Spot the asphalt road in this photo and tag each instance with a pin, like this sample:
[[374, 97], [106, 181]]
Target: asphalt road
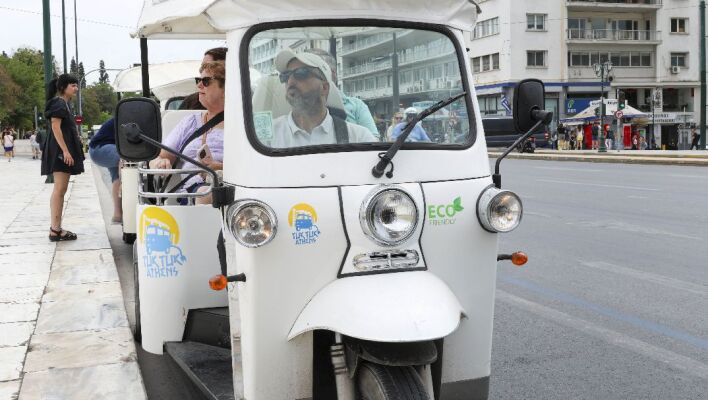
[[613, 303]]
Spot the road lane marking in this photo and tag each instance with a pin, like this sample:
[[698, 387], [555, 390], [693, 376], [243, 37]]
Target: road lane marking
[[583, 170], [598, 185], [675, 360], [649, 277], [627, 227], [609, 312]]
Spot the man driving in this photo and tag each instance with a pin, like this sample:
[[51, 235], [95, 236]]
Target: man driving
[[307, 80]]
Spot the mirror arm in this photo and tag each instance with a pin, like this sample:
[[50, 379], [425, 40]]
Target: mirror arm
[[214, 175], [496, 178]]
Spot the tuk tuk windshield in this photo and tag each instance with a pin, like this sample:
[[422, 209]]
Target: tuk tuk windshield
[[332, 87]]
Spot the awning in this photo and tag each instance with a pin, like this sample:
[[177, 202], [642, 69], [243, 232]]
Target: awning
[[588, 114]]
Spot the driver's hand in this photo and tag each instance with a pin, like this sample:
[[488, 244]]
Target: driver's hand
[[160, 163]]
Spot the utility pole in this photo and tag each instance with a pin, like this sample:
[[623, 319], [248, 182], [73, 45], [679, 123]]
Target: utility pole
[[63, 34], [702, 53], [76, 44], [47, 61]]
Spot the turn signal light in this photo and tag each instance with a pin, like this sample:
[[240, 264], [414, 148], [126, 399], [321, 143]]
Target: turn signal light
[[218, 282], [519, 258]]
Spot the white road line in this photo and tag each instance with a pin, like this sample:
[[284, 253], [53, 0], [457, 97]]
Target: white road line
[[675, 360], [649, 277], [598, 185], [570, 169]]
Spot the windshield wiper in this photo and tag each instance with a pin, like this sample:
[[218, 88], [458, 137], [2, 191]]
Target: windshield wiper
[[386, 158]]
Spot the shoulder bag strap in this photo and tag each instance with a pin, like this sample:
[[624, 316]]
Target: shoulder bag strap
[[341, 132]]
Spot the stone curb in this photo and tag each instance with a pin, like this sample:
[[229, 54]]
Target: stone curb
[[618, 159]]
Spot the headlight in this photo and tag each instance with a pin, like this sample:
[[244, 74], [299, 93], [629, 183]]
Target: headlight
[[389, 216], [499, 210], [252, 223]]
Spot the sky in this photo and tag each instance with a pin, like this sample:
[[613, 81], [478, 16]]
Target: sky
[[104, 28]]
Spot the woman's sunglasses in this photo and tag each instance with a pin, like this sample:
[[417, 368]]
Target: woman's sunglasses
[[300, 74], [205, 81]]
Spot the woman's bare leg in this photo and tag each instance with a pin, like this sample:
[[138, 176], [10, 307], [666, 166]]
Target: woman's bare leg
[[117, 206], [56, 201]]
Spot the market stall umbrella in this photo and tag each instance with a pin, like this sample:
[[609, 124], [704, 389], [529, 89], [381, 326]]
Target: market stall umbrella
[[588, 114]]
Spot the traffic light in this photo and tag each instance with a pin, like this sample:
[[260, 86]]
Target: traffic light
[[597, 111], [621, 100]]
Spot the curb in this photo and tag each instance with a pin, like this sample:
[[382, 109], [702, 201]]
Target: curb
[[616, 159]]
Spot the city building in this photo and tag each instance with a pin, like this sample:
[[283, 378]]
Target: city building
[[652, 45]]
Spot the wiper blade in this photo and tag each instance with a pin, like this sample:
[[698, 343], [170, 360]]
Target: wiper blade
[[387, 157]]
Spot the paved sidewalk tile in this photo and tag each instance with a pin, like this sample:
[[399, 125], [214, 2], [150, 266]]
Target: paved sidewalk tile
[[85, 292], [15, 333], [59, 350], [12, 270], [106, 382], [81, 315], [21, 295], [18, 312], [12, 359], [9, 390], [80, 274], [23, 281]]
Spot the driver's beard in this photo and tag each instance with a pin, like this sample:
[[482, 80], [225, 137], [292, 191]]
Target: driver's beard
[[307, 103]]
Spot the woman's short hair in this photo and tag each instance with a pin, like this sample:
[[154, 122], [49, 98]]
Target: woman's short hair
[[59, 84], [217, 53], [217, 69]]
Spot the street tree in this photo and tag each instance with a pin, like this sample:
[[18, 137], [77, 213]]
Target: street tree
[[102, 75], [25, 70]]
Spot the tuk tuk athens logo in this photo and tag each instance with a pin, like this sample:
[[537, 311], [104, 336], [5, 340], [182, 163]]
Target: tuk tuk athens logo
[[303, 217], [159, 233], [444, 214]]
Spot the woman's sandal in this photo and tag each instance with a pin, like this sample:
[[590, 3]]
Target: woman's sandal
[[58, 237]]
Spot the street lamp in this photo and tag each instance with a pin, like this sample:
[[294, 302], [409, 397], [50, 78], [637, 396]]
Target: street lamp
[[83, 78], [601, 70]]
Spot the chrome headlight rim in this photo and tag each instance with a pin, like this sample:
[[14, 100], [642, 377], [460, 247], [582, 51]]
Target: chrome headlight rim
[[484, 208], [367, 223], [239, 205]]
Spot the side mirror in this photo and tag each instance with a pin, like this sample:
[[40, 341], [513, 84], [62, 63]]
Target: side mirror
[[529, 102], [134, 116]]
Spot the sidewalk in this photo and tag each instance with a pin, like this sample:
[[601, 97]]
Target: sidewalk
[[63, 327], [663, 157]]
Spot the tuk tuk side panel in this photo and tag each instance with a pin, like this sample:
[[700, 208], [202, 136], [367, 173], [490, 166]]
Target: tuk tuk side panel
[[176, 258], [343, 168], [129, 196], [463, 255], [282, 277]]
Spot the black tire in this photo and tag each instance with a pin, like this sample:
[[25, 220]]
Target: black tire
[[129, 238], [137, 333], [378, 382]]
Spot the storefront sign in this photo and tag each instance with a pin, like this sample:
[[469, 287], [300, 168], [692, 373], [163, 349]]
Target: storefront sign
[[574, 106], [671, 117]]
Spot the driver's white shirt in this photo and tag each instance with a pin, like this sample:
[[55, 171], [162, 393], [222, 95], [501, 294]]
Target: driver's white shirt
[[287, 134]]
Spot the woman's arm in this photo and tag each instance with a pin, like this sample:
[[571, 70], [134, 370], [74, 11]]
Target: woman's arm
[[59, 136]]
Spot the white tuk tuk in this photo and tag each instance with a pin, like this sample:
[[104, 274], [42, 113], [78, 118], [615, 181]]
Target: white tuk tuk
[[347, 278]]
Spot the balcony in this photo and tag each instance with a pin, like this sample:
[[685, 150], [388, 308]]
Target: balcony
[[613, 5], [613, 36]]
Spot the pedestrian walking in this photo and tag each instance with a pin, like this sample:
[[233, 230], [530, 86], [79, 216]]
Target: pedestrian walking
[[635, 142], [608, 138], [62, 155], [580, 137], [8, 142], [572, 135], [695, 139], [35, 145], [595, 135]]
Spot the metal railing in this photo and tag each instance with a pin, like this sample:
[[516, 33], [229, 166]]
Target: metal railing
[[612, 34]]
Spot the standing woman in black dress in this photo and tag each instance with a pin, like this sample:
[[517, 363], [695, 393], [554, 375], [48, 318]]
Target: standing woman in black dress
[[62, 155]]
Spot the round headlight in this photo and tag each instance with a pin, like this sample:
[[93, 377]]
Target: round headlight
[[389, 216], [499, 210], [252, 223]]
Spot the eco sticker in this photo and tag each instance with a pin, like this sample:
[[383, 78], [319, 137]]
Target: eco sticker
[[159, 233], [444, 214], [263, 123], [303, 217]]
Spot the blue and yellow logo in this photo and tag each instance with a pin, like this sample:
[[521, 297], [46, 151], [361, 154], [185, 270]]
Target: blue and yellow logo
[[303, 217], [158, 231]]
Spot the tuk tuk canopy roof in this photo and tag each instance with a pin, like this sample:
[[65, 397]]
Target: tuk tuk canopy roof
[[165, 78], [213, 18]]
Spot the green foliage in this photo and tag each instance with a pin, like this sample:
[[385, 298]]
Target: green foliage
[[102, 75], [21, 88]]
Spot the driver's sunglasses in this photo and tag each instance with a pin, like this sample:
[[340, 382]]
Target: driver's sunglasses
[[300, 74], [205, 80]]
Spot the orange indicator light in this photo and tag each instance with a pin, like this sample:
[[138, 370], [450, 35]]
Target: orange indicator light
[[218, 282], [519, 258]]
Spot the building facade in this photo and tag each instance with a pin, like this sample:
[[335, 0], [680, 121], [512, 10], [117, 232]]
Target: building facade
[[652, 45]]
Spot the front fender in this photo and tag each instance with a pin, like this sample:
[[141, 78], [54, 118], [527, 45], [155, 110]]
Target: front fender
[[391, 307]]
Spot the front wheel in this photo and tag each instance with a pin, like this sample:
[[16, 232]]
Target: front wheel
[[378, 382]]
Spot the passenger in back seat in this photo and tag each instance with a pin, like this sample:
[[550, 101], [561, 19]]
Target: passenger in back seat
[[209, 147]]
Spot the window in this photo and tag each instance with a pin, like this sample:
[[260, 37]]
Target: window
[[489, 62], [491, 105], [536, 58], [618, 59], [678, 25], [536, 22], [487, 27], [679, 59]]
